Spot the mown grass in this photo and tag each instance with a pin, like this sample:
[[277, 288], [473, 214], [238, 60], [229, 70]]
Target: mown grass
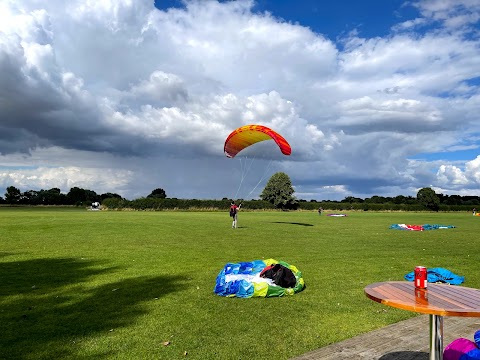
[[76, 284]]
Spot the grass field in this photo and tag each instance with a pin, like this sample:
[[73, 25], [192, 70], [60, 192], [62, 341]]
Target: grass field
[[77, 284]]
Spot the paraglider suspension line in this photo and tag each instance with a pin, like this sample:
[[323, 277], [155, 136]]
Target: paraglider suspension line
[[245, 168]]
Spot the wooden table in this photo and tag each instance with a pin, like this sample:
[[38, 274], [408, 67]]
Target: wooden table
[[438, 300]]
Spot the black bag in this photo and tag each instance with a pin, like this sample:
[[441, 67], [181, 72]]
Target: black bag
[[281, 276]]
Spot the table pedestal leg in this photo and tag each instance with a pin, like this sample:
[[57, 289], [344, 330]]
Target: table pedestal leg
[[436, 337]]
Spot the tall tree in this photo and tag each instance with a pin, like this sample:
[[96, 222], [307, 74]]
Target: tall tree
[[78, 196], [13, 195], [279, 191], [52, 197], [158, 194], [29, 197], [428, 198]]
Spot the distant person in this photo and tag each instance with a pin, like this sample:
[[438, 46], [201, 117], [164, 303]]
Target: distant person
[[474, 211], [234, 213], [320, 210]]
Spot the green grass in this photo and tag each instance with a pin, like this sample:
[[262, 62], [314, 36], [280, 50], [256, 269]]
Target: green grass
[[76, 284]]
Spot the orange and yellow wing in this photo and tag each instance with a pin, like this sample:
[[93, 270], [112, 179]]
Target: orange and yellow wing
[[247, 135]]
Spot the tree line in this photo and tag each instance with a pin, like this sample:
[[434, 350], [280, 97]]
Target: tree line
[[76, 196], [277, 194]]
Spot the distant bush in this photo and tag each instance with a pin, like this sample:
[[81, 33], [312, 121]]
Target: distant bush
[[158, 204]]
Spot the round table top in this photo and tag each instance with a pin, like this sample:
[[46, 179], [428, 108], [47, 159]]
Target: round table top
[[437, 299]]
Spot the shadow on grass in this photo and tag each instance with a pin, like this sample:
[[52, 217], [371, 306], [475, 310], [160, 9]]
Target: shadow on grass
[[44, 275], [405, 355], [45, 307], [292, 223]]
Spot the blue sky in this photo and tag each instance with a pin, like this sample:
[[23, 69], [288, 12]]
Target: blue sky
[[375, 97], [331, 18], [337, 18]]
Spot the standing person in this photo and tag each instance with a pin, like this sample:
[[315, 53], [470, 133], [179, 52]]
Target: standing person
[[234, 213], [474, 211], [320, 211]]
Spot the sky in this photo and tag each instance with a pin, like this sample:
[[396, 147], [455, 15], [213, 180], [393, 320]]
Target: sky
[[125, 96]]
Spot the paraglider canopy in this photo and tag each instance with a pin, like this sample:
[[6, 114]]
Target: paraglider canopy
[[250, 279], [247, 135]]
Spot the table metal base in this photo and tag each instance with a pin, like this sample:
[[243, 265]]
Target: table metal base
[[436, 337]]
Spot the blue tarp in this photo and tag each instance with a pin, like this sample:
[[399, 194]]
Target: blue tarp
[[439, 275], [436, 226]]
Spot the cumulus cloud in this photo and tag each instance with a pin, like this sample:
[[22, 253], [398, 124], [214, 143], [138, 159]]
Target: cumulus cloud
[[124, 97]]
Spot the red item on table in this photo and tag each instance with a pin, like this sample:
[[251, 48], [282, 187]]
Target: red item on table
[[420, 277]]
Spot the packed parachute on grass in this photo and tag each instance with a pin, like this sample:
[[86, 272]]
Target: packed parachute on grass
[[420, 227], [259, 278]]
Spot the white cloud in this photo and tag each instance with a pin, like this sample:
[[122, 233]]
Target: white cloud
[[66, 178], [450, 174], [472, 170]]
